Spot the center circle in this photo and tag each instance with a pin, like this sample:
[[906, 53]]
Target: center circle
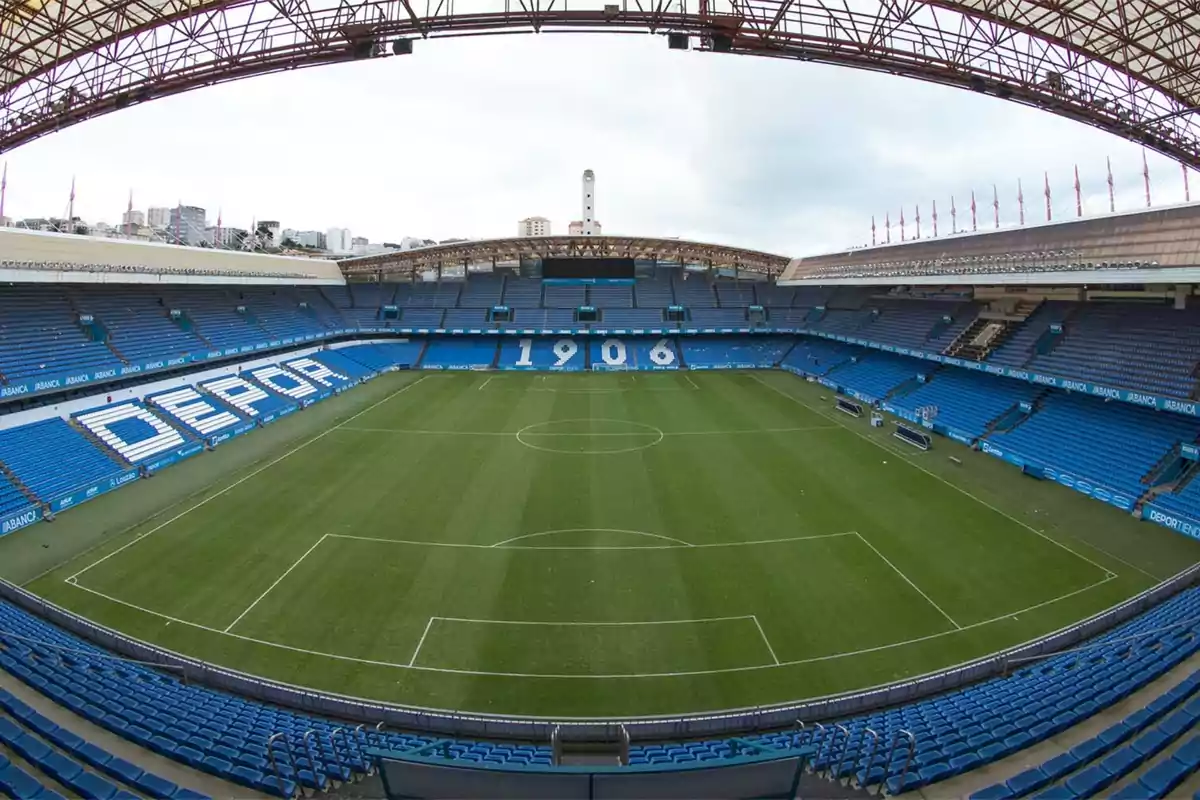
[[589, 436]]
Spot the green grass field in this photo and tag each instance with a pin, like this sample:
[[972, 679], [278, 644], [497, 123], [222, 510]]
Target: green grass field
[[588, 544]]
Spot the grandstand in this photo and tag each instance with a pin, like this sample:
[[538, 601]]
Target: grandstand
[[674, 400]]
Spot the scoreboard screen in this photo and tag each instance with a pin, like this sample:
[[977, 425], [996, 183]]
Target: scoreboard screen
[[587, 268]]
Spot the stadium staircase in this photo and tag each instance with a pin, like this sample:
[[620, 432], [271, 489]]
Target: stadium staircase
[[1169, 469], [908, 387], [97, 332], [186, 325], [117, 352], [421, 355], [20, 484], [998, 323], [1048, 340], [1173, 487], [1014, 416]]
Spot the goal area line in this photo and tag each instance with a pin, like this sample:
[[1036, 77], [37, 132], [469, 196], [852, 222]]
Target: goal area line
[[751, 619]]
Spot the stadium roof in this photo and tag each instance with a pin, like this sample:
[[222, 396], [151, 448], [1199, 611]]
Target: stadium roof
[[39, 256], [1131, 67], [491, 251], [1149, 246]]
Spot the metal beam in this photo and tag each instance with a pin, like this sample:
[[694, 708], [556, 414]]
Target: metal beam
[[492, 250], [1130, 67]]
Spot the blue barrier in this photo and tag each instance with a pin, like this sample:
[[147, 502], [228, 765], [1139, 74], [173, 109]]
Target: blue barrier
[[1190, 451], [226, 435], [19, 519], [911, 416], [589, 281], [58, 382], [1081, 485], [91, 491], [1090, 489], [270, 417], [1156, 515], [167, 459], [955, 434], [1003, 455], [729, 365]]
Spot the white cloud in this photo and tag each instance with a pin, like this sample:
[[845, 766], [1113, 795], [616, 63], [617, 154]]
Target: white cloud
[[466, 136]]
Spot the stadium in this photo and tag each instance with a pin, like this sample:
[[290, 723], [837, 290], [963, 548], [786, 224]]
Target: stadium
[[597, 515]]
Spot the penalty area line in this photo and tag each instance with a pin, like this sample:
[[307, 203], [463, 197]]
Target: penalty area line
[[393, 665], [504, 546], [278, 580], [421, 641], [907, 579], [553, 434], [957, 488], [244, 478], [766, 641]]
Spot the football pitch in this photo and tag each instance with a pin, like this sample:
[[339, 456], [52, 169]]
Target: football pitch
[[593, 545]]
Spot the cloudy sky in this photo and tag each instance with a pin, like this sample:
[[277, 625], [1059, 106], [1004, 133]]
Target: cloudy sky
[[465, 137]]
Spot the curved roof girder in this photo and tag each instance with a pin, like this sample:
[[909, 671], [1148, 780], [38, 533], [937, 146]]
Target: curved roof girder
[[513, 249], [1131, 67]]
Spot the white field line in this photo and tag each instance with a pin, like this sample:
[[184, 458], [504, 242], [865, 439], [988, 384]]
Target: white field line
[[551, 434], [421, 642], [957, 488], [688, 378], [502, 546], [243, 479], [606, 391], [766, 641], [908, 580], [278, 580], [796, 662], [599, 624], [597, 530], [485, 383]]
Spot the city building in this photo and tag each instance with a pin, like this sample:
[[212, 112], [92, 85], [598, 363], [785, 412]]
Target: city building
[[158, 217], [274, 229], [311, 239], [533, 226], [133, 218], [576, 229], [339, 240], [412, 242], [227, 238], [187, 225]]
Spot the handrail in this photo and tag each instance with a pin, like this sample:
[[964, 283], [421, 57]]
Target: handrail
[[845, 748]]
